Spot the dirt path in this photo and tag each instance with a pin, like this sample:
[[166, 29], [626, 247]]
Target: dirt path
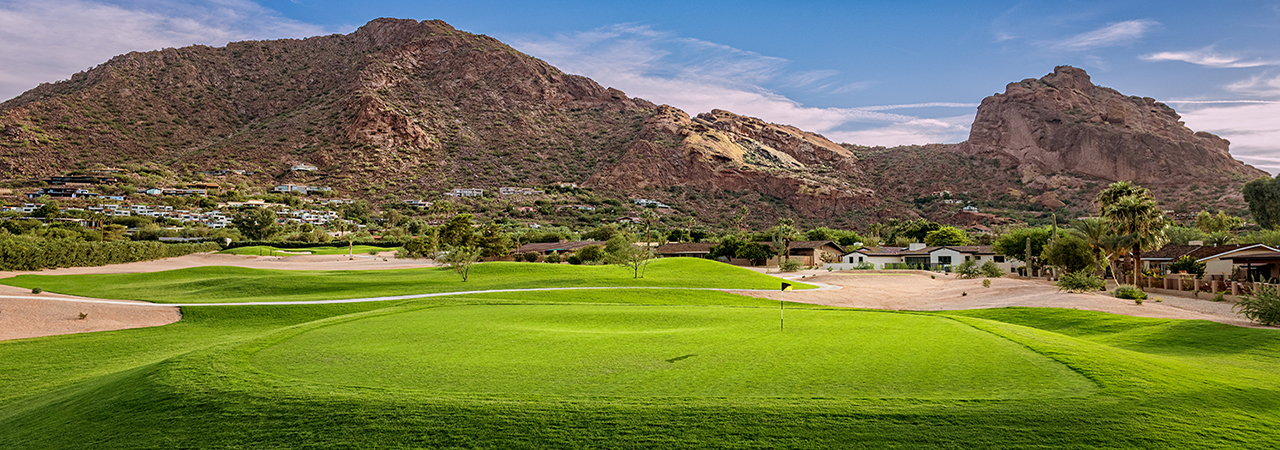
[[919, 292]]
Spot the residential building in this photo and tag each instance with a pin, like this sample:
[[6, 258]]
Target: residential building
[[465, 192], [684, 249], [920, 255], [1218, 259], [811, 253], [303, 168], [62, 192], [518, 191]]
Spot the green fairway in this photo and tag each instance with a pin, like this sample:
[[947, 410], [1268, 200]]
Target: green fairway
[[670, 351], [266, 250], [235, 284], [633, 368]]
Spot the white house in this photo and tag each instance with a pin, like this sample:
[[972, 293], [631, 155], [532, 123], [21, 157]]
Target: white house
[[1215, 257], [920, 255], [465, 192]]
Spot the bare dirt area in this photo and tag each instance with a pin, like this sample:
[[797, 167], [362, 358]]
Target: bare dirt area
[[384, 260], [921, 291], [45, 316], [50, 314]]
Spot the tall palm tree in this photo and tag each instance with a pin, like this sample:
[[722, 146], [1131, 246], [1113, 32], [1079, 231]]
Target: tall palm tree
[[649, 216], [1094, 231], [1138, 219]]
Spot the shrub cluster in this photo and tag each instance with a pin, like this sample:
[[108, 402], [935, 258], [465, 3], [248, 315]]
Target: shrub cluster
[[28, 254], [1081, 281], [968, 269], [1262, 307], [991, 270], [1129, 292], [789, 265]]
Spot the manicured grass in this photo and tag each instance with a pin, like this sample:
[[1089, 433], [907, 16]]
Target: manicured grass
[[577, 369], [592, 350], [234, 284], [266, 250]]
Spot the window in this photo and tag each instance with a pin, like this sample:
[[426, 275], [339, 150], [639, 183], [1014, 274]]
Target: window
[[999, 258], [966, 257], [859, 259], [944, 260]]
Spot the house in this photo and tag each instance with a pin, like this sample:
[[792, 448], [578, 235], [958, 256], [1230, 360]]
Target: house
[[62, 192], [567, 185], [970, 208], [630, 220], [183, 192], [465, 192], [518, 191], [918, 255], [810, 253], [418, 203], [684, 249], [527, 209], [303, 168], [1218, 259], [563, 248], [202, 185], [644, 202], [577, 207]]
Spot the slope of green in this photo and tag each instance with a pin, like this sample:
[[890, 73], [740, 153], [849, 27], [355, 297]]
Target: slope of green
[[235, 284], [669, 351], [280, 377], [265, 250]]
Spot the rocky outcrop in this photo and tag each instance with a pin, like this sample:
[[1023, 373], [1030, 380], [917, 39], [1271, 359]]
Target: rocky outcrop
[[806, 147], [1064, 124], [675, 150]]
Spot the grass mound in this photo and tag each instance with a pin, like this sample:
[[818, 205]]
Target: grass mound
[[234, 284], [677, 351]]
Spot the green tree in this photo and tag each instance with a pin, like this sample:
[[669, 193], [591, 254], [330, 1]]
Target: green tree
[[1263, 197], [756, 252], [1070, 253], [256, 223], [49, 209], [460, 259], [1217, 223], [493, 242], [357, 211], [1023, 244], [1180, 235], [592, 254], [1188, 264], [458, 231], [632, 256], [947, 235], [727, 248]]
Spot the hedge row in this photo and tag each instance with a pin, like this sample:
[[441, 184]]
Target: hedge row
[[27, 254], [385, 243]]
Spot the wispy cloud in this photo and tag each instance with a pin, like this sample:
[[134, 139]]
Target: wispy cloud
[[698, 76], [1257, 85], [46, 41], [1119, 33], [1207, 57]]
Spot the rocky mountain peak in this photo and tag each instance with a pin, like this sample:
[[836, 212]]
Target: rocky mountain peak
[[1063, 123]]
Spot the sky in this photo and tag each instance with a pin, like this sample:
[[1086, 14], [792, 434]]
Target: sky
[[868, 73]]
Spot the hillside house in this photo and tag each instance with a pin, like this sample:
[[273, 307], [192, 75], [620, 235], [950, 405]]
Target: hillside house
[[465, 192], [62, 192], [518, 191], [303, 168]]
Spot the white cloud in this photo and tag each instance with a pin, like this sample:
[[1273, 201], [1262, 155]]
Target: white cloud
[[1207, 57], [1119, 33], [698, 76], [1257, 85], [44, 41], [1251, 127]]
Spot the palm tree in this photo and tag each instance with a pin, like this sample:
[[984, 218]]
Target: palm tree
[[1094, 231], [1140, 221], [649, 216]]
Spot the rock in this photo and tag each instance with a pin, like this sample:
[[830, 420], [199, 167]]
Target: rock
[[1063, 123], [1049, 200]]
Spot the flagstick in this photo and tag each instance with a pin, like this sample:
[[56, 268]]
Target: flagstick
[[781, 309]]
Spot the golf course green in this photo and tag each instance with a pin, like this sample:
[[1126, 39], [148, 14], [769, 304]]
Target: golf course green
[[624, 368]]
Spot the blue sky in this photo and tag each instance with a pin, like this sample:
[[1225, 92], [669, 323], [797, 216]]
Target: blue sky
[[882, 73]]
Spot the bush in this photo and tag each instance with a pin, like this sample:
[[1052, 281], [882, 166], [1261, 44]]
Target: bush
[[36, 290], [1130, 292], [968, 269], [1262, 307], [986, 283], [19, 253], [789, 265], [864, 266], [991, 270], [591, 254], [529, 256], [574, 259], [1220, 296], [1080, 281], [1187, 264], [553, 258]]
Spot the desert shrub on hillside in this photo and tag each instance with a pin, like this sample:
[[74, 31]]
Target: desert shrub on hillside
[[968, 269], [789, 265]]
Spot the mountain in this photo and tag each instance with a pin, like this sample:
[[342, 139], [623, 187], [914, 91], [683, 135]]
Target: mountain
[[404, 109], [1062, 122]]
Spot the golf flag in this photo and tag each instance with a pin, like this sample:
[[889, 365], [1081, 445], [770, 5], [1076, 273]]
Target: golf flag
[[786, 286]]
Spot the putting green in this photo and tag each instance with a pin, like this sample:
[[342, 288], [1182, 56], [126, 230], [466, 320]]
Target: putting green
[[594, 350]]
